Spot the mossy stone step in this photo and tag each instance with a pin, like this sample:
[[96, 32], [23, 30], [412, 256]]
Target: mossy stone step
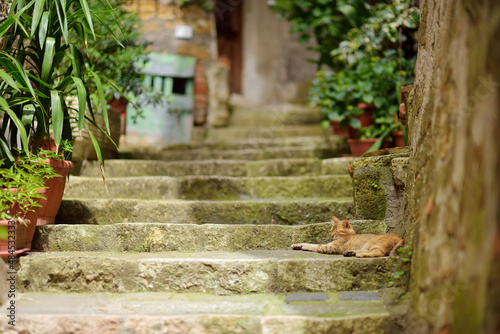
[[263, 143], [156, 237], [158, 313], [279, 131], [242, 154], [209, 187], [223, 273], [286, 212], [275, 167]]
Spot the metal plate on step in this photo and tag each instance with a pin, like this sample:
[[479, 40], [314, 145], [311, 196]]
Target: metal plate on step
[[306, 297]]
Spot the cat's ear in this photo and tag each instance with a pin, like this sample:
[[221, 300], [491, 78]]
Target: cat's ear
[[346, 224], [336, 220]]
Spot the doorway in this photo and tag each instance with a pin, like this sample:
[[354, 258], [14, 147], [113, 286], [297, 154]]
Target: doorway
[[229, 23]]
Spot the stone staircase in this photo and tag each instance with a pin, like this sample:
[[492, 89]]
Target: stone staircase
[[196, 239]]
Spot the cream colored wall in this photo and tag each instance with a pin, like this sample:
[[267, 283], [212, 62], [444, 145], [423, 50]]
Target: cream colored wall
[[274, 65]]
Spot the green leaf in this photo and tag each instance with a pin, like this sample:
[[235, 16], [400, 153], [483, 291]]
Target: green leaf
[[57, 116], [355, 123], [100, 90], [88, 15], [349, 13], [63, 21], [44, 27], [399, 273], [48, 59], [37, 14], [379, 101], [20, 127], [82, 98], [98, 152], [8, 79]]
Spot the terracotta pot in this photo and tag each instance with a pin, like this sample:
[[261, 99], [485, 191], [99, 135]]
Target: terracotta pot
[[339, 131], [120, 105], [398, 139], [54, 191], [18, 231], [32, 216], [360, 146], [366, 106]]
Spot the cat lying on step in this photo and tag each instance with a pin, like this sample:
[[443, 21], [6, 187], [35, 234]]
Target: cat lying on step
[[347, 242]]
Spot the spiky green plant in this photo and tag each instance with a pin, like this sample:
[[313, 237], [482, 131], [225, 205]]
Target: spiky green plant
[[33, 87]]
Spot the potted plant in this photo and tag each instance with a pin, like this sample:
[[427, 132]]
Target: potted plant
[[22, 187], [376, 59], [41, 66]]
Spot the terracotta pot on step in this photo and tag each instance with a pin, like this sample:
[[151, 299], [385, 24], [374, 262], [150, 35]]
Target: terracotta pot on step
[[30, 216], [360, 146], [18, 231], [54, 191], [398, 139]]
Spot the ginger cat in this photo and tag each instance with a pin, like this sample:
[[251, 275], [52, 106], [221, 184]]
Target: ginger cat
[[347, 242]]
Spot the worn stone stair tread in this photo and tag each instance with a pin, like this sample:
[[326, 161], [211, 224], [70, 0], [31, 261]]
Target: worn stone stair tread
[[249, 211], [226, 273], [155, 313], [242, 132], [209, 187], [282, 152], [272, 167], [260, 143], [161, 237]]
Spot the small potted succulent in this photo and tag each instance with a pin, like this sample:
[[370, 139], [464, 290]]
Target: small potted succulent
[[22, 187]]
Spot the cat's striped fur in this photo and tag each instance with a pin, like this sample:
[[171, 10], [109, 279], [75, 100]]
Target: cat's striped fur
[[347, 242]]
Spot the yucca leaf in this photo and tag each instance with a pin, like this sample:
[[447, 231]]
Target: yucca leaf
[[86, 10], [48, 58], [44, 27], [37, 14], [19, 125], [100, 90], [82, 98], [61, 15], [77, 60], [6, 25], [8, 79], [57, 116], [99, 153]]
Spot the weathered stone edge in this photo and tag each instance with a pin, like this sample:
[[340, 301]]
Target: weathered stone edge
[[155, 237]]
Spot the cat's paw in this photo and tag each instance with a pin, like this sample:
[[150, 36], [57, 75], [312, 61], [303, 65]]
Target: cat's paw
[[349, 254], [297, 247]]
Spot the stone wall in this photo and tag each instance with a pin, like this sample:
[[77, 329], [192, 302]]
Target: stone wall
[[454, 178], [275, 69]]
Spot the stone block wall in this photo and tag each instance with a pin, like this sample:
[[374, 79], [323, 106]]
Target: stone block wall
[[452, 201]]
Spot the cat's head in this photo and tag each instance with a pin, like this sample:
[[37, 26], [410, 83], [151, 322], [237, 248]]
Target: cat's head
[[341, 229]]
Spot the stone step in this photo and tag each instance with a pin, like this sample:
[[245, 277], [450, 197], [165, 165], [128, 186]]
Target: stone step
[[283, 152], [223, 273], [285, 212], [263, 143], [275, 115], [209, 187], [242, 132], [277, 167], [156, 237], [157, 313]]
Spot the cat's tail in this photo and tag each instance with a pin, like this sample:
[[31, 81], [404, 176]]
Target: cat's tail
[[399, 244]]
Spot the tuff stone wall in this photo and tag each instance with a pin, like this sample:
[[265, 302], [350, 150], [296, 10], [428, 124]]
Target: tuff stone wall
[[454, 177]]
